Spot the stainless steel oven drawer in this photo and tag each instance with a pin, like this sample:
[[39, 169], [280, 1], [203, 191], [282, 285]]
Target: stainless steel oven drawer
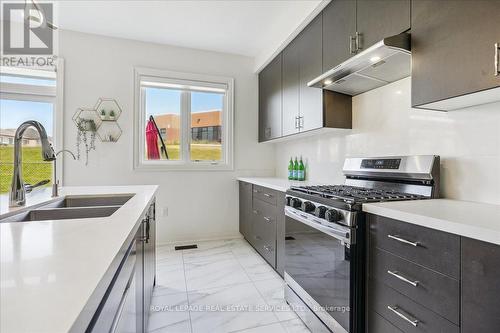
[[404, 313], [433, 290], [304, 313], [437, 250]]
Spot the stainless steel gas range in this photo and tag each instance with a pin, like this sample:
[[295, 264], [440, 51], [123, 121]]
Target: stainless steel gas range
[[325, 236]]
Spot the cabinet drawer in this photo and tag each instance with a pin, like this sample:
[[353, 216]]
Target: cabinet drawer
[[264, 229], [406, 315], [377, 324], [265, 194], [433, 290], [434, 249]]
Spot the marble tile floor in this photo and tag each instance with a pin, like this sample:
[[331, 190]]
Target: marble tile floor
[[223, 286]]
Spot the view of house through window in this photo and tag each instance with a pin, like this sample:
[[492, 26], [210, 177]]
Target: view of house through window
[[17, 106], [183, 124]]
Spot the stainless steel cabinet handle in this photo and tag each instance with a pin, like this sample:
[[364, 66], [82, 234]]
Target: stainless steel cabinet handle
[[268, 219], [256, 191], [301, 122], [402, 240], [268, 248], [267, 195], [395, 309], [402, 278], [497, 59], [358, 41], [296, 122], [352, 45], [256, 212]]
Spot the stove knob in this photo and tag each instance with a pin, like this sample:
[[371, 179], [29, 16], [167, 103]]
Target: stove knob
[[308, 206], [288, 201], [332, 215], [296, 203], [320, 211]]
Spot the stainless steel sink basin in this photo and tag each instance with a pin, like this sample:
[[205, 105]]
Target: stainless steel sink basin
[[71, 207], [90, 201], [62, 214]]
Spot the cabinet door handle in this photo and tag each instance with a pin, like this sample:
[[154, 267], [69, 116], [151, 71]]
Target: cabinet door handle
[[402, 240], [256, 212], [296, 122], [497, 59], [395, 309], [358, 41], [402, 278], [301, 122], [268, 248], [352, 45], [268, 219], [267, 195]]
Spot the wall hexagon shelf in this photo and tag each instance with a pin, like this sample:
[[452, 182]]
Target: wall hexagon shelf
[[108, 109], [101, 119]]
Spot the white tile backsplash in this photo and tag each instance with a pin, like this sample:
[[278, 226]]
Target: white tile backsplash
[[467, 140]]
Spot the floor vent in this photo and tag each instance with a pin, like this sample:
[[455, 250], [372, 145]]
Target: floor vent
[[186, 247], [289, 238]]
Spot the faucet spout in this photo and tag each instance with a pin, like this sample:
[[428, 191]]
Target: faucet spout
[[17, 195]]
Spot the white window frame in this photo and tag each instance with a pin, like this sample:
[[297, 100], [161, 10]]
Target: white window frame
[[165, 78], [47, 94]]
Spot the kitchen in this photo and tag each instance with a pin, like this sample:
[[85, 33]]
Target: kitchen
[[440, 110]]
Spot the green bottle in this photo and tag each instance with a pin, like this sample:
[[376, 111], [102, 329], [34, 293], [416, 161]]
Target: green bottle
[[290, 169], [302, 171], [295, 170]]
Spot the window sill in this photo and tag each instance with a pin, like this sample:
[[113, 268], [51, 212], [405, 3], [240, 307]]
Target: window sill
[[181, 166]]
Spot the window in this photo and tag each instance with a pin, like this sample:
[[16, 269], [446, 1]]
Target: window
[[183, 121], [27, 94]]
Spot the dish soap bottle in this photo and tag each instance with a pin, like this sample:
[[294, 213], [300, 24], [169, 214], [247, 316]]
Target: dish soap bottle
[[302, 171], [295, 170], [290, 169]]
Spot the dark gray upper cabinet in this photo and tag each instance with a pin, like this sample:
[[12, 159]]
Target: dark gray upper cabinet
[[453, 48], [270, 101], [339, 24], [480, 286], [377, 19], [310, 43], [291, 84]]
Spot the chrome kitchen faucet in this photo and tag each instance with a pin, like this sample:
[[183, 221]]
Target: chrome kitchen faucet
[[17, 196]]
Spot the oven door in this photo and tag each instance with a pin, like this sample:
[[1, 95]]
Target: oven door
[[318, 267]]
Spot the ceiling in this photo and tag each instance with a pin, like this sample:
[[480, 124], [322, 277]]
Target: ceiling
[[251, 28]]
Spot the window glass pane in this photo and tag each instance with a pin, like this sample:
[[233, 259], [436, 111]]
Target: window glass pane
[[206, 121], [12, 114], [165, 107], [27, 80]]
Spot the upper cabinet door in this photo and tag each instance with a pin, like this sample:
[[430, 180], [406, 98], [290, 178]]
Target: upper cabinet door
[[270, 101], [377, 19], [453, 48], [339, 25], [310, 66], [291, 83]]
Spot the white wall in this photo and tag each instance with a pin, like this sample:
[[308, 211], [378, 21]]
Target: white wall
[[201, 205], [385, 124]]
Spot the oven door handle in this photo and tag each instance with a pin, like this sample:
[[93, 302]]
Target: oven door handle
[[339, 232]]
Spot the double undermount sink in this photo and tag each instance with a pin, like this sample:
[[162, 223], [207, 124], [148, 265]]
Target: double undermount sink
[[72, 207]]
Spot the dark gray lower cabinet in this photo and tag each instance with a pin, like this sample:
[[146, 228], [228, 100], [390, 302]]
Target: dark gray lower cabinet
[[146, 266], [480, 286], [262, 222], [126, 304], [413, 285], [245, 208]]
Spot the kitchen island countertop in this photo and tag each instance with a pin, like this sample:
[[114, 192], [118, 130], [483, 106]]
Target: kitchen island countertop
[[50, 270]]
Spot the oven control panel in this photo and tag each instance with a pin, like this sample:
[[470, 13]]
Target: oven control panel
[[392, 163]]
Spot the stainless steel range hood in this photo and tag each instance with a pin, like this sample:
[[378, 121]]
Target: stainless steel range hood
[[387, 61]]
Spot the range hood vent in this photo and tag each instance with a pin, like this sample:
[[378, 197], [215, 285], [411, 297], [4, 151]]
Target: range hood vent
[[387, 61]]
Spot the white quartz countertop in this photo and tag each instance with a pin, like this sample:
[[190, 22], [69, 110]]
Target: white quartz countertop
[[469, 219], [275, 183], [49, 269]]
